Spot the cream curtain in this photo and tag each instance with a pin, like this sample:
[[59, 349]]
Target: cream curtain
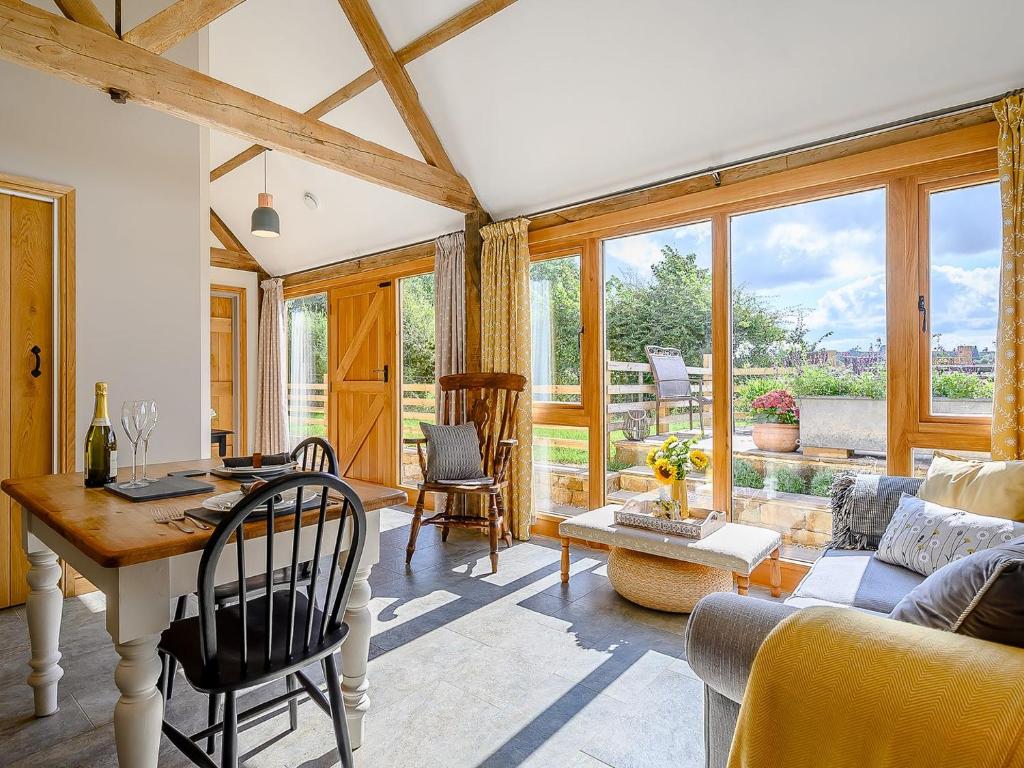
[[1008, 403], [505, 347], [449, 308], [271, 396]]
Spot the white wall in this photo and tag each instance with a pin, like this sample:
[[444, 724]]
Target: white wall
[[142, 183], [247, 280]]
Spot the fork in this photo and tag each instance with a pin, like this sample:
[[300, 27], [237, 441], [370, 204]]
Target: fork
[[173, 518]]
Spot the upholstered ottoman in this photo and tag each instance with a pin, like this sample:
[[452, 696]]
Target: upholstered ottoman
[[671, 573]]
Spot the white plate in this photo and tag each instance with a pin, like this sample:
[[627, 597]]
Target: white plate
[[270, 468], [225, 501]]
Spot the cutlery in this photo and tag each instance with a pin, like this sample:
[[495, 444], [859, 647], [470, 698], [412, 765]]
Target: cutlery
[[173, 518]]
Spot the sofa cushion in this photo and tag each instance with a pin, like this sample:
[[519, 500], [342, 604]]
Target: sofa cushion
[[978, 596], [993, 488], [923, 536], [862, 506], [857, 579], [453, 452]]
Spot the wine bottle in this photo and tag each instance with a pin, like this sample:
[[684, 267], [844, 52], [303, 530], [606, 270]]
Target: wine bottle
[[100, 444]]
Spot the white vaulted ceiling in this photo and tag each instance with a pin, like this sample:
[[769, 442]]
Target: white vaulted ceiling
[[551, 101]]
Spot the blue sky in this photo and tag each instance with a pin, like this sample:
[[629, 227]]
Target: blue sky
[[828, 257]]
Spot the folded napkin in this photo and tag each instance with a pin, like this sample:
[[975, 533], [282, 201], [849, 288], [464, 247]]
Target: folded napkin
[[257, 460]]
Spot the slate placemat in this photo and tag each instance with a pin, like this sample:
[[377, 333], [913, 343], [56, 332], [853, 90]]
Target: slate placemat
[[164, 488]]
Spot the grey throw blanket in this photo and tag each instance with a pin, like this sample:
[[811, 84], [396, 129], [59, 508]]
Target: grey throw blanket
[[863, 505]]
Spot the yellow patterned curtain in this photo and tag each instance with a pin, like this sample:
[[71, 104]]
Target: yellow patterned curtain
[[1008, 403], [505, 348]]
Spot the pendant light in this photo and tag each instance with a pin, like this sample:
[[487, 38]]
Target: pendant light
[[265, 221]]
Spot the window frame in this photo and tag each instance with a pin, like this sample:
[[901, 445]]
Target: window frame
[[925, 189]]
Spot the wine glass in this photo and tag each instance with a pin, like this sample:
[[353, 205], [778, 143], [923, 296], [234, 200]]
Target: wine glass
[[147, 431], [132, 419]]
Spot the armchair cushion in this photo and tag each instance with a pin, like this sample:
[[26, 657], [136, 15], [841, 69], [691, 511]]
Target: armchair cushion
[[453, 452]]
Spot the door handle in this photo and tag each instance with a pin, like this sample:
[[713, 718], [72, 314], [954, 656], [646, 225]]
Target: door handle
[[36, 372], [383, 370]]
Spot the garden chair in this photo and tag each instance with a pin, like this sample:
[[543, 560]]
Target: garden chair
[[490, 401], [675, 385]]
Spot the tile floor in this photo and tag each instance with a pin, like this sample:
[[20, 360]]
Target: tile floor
[[467, 669]]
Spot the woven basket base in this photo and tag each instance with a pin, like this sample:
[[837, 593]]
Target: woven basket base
[[662, 583]]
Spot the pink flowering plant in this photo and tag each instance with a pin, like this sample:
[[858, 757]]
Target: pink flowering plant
[[776, 407]]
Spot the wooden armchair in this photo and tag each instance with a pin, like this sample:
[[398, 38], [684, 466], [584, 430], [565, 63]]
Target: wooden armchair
[[490, 401]]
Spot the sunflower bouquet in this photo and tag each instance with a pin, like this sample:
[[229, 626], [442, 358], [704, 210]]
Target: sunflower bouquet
[[671, 461], [674, 458]]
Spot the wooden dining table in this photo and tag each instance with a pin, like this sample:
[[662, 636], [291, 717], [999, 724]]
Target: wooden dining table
[[142, 566]]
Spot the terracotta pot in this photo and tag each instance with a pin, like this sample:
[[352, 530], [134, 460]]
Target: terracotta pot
[[778, 438]]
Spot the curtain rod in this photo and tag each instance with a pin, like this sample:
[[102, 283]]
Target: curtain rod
[[715, 169]]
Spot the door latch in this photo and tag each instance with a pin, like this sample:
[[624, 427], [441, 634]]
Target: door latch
[[923, 309], [383, 370]]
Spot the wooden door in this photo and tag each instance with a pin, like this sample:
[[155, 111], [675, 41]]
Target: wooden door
[[222, 366], [362, 381], [26, 368]]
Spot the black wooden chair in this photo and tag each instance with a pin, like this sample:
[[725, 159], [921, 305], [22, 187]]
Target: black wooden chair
[[273, 633], [314, 454]]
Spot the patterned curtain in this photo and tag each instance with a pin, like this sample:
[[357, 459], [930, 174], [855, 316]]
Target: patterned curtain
[[1008, 403], [449, 308], [505, 348], [271, 395]]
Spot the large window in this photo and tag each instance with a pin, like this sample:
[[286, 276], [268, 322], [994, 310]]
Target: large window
[[960, 312], [809, 360], [416, 296], [307, 366], [657, 293], [555, 329]]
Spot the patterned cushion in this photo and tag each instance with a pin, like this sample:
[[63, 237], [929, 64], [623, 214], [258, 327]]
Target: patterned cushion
[[924, 536], [978, 596], [862, 506], [453, 452]]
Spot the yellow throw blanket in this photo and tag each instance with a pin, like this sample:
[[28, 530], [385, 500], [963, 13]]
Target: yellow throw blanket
[[834, 687]]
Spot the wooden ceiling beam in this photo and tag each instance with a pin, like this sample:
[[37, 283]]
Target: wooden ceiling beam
[[363, 264], [423, 44], [229, 259], [396, 81], [49, 43], [85, 12], [176, 22]]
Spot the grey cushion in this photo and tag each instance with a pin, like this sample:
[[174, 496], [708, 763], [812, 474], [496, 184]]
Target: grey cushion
[[862, 506], [453, 452], [857, 579], [981, 595]]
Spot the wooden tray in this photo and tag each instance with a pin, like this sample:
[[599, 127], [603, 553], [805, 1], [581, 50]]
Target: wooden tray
[[164, 488]]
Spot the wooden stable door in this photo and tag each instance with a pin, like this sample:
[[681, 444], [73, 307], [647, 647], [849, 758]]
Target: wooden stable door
[[362, 386], [228, 364], [26, 368]]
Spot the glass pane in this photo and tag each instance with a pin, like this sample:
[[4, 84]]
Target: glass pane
[[809, 381], [964, 243], [657, 293], [307, 367], [561, 477], [416, 296], [556, 321]]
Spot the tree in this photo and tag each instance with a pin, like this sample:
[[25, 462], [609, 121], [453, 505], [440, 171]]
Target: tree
[[418, 329]]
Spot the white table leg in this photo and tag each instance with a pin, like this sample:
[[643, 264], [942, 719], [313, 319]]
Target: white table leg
[[355, 654], [139, 712], [42, 608]]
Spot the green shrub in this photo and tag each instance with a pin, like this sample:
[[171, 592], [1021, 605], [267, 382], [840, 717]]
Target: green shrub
[[962, 386], [821, 482], [745, 476], [821, 381], [788, 481]]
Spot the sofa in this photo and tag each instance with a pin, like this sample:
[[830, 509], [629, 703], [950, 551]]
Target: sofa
[[726, 630]]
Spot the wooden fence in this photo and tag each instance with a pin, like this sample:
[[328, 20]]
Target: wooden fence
[[629, 388]]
